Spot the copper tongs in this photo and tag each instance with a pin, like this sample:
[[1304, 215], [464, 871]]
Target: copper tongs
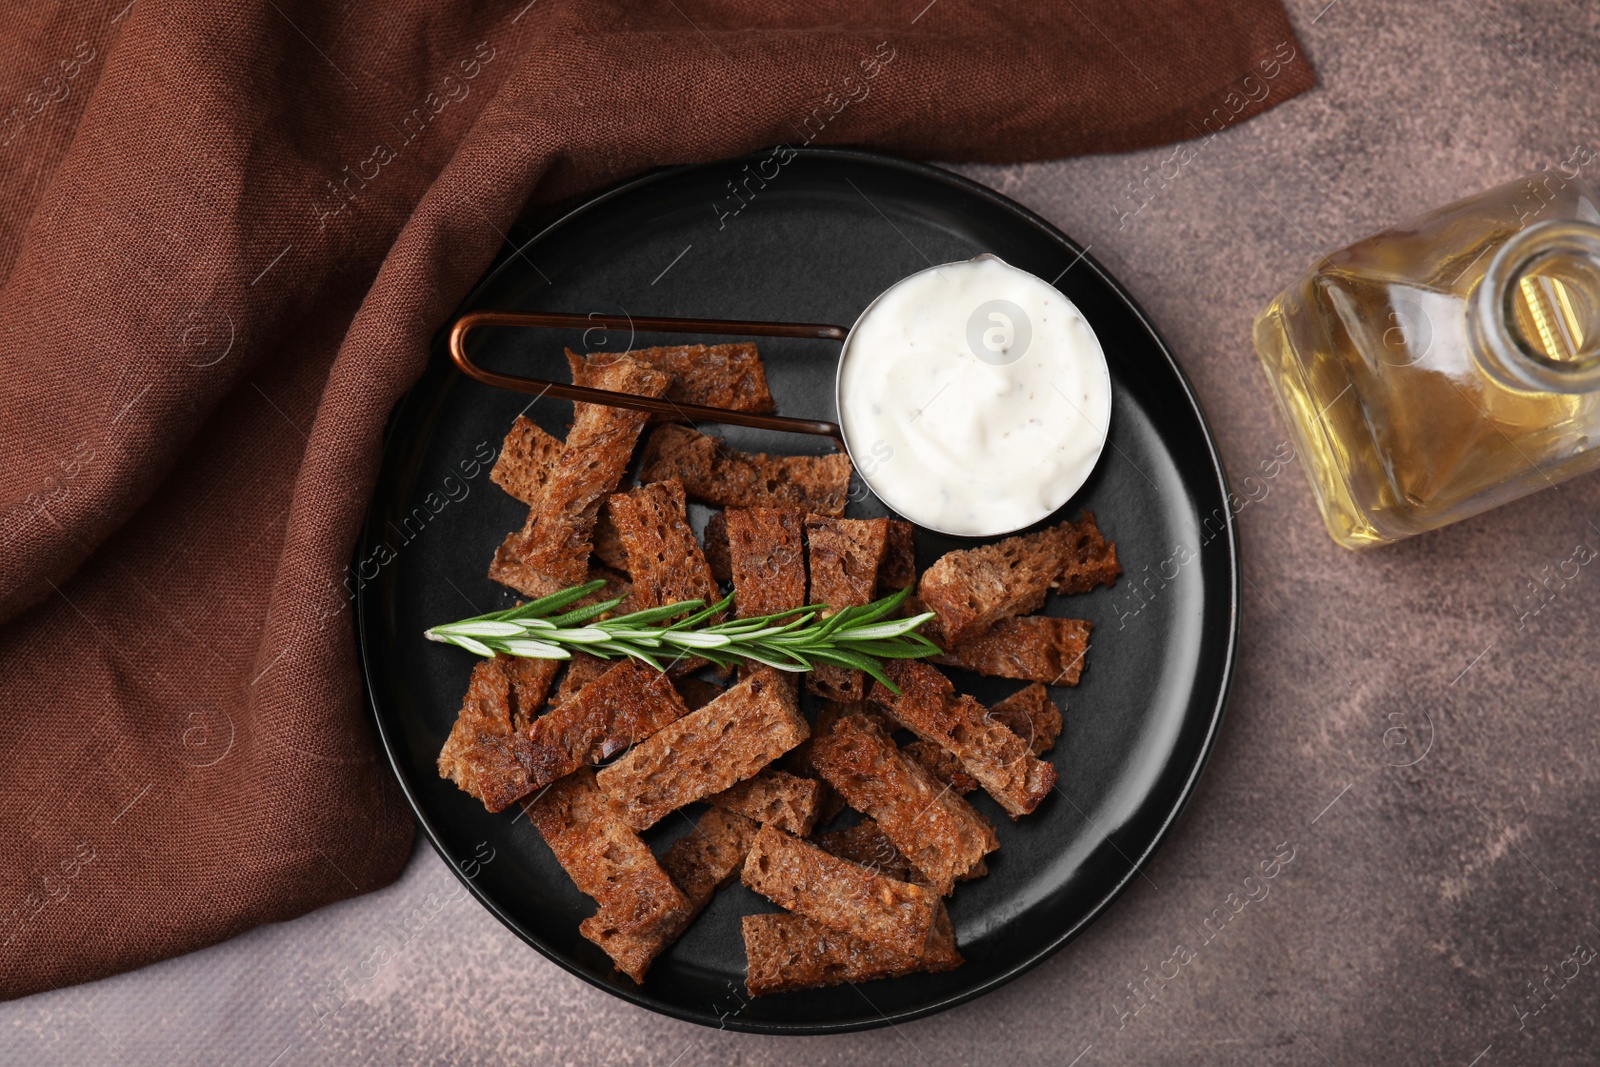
[[557, 320]]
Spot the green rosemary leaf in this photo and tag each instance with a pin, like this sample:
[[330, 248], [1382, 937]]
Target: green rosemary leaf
[[746, 629], [736, 626], [612, 650], [650, 616], [893, 648], [689, 639], [843, 657], [546, 604], [482, 628], [777, 661], [579, 635], [722, 657], [796, 640], [803, 612], [834, 622], [643, 638], [471, 644], [877, 630], [578, 616], [878, 609], [701, 616], [535, 649]]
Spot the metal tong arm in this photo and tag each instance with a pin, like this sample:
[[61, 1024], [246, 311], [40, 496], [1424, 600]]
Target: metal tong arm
[[654, 405]]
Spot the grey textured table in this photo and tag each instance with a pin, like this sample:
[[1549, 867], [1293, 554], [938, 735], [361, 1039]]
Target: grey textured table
[[1434, 883]]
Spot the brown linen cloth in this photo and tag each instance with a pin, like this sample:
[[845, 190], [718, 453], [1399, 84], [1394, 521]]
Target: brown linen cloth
[[227, 232]]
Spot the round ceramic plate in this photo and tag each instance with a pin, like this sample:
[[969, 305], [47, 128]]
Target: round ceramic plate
[[813, 239]]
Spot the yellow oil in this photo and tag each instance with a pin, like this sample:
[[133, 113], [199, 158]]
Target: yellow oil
[[1378, 365]]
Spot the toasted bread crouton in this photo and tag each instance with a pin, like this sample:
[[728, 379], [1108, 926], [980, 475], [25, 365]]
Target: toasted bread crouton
[[788, 952], [834, 710], [624, 705], [832, 805], [800, 877], [938, 832], [942, 765], [843, 557], [488, 753], [1087, 558], [866, 844], [799, 761], [929, 707], [617, 585], [706, 751], [1031, 715], [899, 566], [719, 376], [711, 855], [530, 687], [699, 863], [972, 589], [836, 683], [1034, 648], [774, 798], [608, 861], [715, 541], [714, 474], [664, 558], [582, 669], [766, 558], [526, 459], [551, 552], [607, 545], [696, 692]]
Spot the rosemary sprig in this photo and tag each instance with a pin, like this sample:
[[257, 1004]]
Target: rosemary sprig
[[797, 640]]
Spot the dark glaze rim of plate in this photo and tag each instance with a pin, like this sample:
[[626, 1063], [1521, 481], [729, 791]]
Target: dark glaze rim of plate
[[1196, 496]]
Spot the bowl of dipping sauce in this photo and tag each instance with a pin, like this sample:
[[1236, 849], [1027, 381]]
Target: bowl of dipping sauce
[[974, 398]]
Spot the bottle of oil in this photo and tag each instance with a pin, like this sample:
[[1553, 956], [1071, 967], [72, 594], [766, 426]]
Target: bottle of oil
[[1448, 364]]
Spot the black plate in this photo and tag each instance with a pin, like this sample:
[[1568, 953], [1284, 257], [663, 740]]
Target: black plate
[[824, 236]]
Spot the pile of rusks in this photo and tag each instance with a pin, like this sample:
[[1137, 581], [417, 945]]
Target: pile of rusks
[[859, 838]]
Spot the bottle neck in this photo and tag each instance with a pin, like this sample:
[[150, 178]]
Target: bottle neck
[[1535, 319]]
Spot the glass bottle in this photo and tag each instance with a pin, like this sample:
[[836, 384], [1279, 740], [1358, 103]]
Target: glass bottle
[[1446, 365]]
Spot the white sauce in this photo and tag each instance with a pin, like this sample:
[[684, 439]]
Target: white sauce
[[968, 445]]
